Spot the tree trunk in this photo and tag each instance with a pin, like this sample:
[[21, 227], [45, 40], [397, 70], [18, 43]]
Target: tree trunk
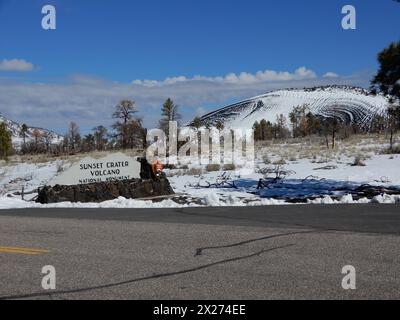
[[333, 139], [327, 141], [24, 145], [391, 139]]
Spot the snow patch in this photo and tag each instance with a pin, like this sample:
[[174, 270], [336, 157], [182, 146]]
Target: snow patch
[[348, 199]]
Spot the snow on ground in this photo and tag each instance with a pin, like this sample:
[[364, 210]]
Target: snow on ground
[[321, 187], [379, 170], [27, 175]]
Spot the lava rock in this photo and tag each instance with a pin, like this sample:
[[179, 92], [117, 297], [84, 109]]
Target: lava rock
[[103, 191]]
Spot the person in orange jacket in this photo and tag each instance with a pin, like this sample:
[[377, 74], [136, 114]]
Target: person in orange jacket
[[157, 167]]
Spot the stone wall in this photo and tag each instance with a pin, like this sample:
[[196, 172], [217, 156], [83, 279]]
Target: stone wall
[[103, 191]]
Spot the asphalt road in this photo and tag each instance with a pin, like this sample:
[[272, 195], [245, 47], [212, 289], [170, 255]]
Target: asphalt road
[[272, 252]]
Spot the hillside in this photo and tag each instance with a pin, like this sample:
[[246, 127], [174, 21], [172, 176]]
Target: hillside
[[15, 129], [355, 105]]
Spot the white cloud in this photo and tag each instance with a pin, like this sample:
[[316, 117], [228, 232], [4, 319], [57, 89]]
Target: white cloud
[[301, 73], [330, 75], [89, 101], [19, 65], [200, 111]]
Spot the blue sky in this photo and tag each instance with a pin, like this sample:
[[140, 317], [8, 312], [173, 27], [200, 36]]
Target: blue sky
[[99, 48]]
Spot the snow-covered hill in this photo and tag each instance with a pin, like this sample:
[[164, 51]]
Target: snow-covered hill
[[350, 104], [15, 129]]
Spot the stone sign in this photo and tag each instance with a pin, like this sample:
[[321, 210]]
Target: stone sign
[[114, 167]]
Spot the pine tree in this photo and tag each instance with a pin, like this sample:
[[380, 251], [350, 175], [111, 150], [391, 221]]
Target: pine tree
[[257, 131], [100, 137], [387, 80], [89, 143], [219, 125], [314, 124], [197, 123], [378, 124], [280, 128], [388, 76], [169, 112], [393, 122], [6, 148]]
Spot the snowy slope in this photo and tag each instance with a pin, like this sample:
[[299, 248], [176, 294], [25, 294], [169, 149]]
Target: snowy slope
[[347, 103], [15, 129]]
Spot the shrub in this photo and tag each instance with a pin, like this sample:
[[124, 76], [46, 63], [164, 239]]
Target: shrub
[[195, 172], [229, 167], [358, 162], [60, 167], [394, 150], [280, 162], [213, 167], [266, 159], [170, 166]]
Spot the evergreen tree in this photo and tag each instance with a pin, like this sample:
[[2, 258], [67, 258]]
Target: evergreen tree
[[257, 131], [100, 137], [219, 125], [6, 148], [169, 112], [89, 143], [387, 80], [197, 123], [378, 124], [393, 123], [388, 77], [314, 124], [280, 129]]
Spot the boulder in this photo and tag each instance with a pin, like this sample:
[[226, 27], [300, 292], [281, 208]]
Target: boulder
[[103, 191]]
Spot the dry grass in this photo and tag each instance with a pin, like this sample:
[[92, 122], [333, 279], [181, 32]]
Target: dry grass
[[314, 148], [185, 172]]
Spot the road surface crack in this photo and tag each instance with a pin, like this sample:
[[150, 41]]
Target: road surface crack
[[152, 277], [200, 251]]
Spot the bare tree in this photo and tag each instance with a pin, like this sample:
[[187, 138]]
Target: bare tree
[[24, 133], [124, 112], [48, 141], [37, 139], [135, 133], [73, 136]]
